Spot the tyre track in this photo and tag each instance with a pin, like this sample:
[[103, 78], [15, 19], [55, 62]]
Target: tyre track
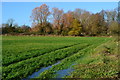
[[36, 63]]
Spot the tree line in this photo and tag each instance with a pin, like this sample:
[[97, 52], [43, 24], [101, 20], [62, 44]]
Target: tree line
[[71, 23]]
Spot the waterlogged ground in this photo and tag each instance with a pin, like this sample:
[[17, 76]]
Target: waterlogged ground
[[58, 57], [36, 74]]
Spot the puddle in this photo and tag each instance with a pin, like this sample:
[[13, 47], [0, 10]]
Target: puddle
[[60, 73], [36, 74], [64, 72]]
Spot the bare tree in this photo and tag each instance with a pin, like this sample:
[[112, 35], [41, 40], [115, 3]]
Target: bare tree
[[10, 22], [57, 16]]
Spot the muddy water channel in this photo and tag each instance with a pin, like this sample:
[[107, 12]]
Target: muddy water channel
[[60, 73], [36, 74]]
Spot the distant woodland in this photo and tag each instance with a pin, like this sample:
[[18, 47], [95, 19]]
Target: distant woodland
[[72, 23]]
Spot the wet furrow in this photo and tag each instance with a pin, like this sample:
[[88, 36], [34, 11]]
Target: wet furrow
[[63, 68], [31, 65]]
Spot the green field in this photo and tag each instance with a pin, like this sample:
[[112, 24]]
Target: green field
[[93, 57]]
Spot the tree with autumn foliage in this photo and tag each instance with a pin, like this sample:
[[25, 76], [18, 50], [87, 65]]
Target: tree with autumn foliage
[[78, 22], [67, 19], [76, 28], [39, 17], [57, 20]]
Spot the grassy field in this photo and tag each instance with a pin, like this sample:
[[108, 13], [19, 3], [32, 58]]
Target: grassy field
[[93, 57]]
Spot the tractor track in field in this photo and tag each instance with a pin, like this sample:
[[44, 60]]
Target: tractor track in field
[[56, 60], [68, 56], [71, 55], [26, 64], [14, 62]]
